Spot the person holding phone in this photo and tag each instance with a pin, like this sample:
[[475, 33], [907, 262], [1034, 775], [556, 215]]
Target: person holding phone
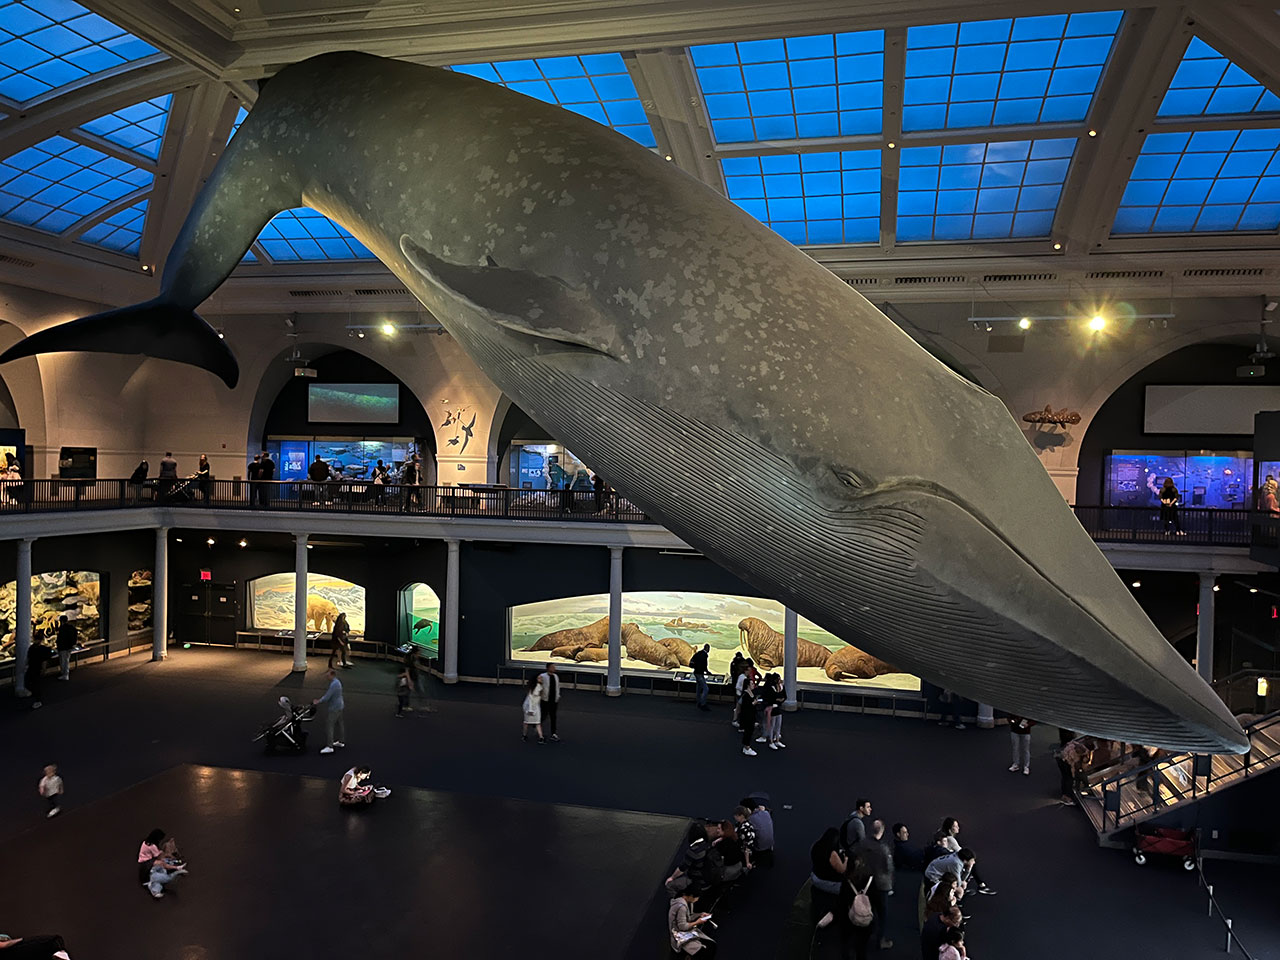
[[688, 936]]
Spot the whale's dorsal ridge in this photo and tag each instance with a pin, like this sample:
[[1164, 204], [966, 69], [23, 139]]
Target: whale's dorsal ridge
[[525, 301]]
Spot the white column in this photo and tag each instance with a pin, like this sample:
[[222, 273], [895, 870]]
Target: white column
[[22, 618], [1204, 628], [790, 654], [451, 612], [300, 602], [613, 684], [160, 597]]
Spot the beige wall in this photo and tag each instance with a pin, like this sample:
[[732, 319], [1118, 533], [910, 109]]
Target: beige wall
[[132, 408]]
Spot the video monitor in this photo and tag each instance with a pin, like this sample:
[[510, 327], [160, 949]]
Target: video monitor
[[353, 402]]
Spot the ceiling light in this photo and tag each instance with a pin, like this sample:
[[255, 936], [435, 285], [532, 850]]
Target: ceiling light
[[1093, 133], [360, 334], [221, 335], [1057, 246], [988, 327], [1253, 589], [1097, 323], [668, 156], [178, 539], [210, 541], [1215, 588], [389, 329], [892, 144], [1136, 584], [145, 268], [1024, 323], [309, 546], [244, 543]]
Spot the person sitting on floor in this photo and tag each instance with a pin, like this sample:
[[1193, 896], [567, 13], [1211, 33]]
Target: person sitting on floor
[[952, 945], [44, 947], [157, 847], [701, 865], [688, 937], [162, 874], [355, 787], [959, 865], [729, 848]]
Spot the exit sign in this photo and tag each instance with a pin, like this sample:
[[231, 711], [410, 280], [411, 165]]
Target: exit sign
[[206, 574]]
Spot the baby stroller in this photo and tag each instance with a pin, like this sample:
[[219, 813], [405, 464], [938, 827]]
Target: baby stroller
[[1165, 842], [285, 734], [183, 491]]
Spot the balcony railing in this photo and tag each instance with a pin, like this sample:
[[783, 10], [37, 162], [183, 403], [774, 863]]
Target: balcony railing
[[347, 496], [1197, 526]]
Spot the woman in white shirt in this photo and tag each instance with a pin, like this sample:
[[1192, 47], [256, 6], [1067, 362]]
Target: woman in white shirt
[[532, 710]]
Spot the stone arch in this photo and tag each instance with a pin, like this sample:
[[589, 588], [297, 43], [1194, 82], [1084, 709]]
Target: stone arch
[[22, 382]]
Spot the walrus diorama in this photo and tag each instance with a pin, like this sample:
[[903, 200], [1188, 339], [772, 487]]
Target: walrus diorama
[[683, 649], [641, 646], [592, 635], [592, 655], [850, 663], [764, 645], [594, 283]]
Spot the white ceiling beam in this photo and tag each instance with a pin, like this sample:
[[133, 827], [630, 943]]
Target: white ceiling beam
[[66, 110], [77, 229], [174, 27], [103, 145], [1247, 35], [673, 100], [1145, 58], [895, 69]]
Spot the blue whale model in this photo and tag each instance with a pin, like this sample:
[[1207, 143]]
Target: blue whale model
[[726, 383]]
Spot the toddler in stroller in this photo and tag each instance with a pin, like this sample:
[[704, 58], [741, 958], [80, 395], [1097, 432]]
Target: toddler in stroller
[[285, 734]]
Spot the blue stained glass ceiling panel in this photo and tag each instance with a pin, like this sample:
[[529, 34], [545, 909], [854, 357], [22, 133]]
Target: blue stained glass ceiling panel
[[596, 86], [122, 231], [981, 191], [139, 128], [811, 197], [306, 234], [793, 88], [56, 183], [1212, 181], [46, 44], [1026, 70], [1208, 84]]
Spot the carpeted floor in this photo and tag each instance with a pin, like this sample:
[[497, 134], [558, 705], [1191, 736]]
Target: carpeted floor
[[117, 724]]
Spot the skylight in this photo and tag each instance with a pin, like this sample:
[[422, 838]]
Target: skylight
[[1210, 181], [46, 44], [811, 197], [139, 128], [306, 234], [1208, 84], [981, 191], [122, 231], [58, 182], [793, 88], [999, 72], [596, 86], [240, 115]]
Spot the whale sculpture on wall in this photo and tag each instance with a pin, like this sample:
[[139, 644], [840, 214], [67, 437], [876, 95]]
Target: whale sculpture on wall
[[646, 321]]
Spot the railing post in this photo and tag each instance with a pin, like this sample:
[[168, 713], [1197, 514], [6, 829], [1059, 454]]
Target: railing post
[[1209, 887], [1228, 920]]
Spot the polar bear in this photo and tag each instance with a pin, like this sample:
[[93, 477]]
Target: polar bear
[[321, 612]]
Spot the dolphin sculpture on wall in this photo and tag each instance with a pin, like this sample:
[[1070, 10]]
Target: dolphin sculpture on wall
[[726, 383]]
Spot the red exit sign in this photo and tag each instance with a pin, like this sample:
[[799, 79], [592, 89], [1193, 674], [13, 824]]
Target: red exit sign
[[206, 574]]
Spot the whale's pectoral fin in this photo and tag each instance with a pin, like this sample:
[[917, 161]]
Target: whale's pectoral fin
[[523, 301], [152, 329]]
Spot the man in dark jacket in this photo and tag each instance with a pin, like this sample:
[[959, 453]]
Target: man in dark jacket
[[698, 664], [67, 640], [254, 474], [168, 474], [37, 657], [266, 473], [875, 855]]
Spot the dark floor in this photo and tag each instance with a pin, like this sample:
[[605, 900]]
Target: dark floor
[[421, 872], [117, 724]]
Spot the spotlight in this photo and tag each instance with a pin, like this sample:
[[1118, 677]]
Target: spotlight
[[892, 145], [221, 335], [1136, 584], [668, 156], [975, 325], [988, 327], [244, 543], [177, 539], [210, 541], [1093, 133], [1097, 323], [360, 334], [1215, 588], [1253, 589], [1057, 246], [309, 546], [1024, 323], [388, 329]]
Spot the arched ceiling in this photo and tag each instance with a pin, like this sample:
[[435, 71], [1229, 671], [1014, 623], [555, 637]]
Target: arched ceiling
[[936, 144]]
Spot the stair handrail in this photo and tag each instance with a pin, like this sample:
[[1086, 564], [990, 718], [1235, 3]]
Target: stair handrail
[[1227, 925], [1242, 674]]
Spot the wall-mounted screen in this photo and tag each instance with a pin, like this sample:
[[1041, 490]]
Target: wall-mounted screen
[[271, 603], [1204, 478], [661, 630], [353, 402], [71, 593]]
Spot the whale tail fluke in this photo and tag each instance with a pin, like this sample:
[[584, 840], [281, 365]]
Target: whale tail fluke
[[155, 328]]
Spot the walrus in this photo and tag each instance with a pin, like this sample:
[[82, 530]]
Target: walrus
[[764, 645], [850, 663], [641, 646], [568, 651], [592, 654], [681, 648], [593, 282], [592, 635]]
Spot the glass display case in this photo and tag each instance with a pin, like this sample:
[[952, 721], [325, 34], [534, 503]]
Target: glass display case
[[543, 466], [1205, 478], [348, 458], [270, 601], [73, 593]]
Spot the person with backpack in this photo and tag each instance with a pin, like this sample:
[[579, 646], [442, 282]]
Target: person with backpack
[[854, 829], [876, 854], [855, 914]]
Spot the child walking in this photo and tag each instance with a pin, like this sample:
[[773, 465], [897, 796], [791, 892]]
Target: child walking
[[51, 789], [532, 710]]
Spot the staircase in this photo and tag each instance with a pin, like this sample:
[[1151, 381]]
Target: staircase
[[1123, 799]]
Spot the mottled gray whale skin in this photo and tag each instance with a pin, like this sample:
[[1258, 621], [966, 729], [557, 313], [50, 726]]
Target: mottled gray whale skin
[[733, 388]]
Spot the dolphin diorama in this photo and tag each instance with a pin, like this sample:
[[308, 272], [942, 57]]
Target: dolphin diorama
[[734, 389]]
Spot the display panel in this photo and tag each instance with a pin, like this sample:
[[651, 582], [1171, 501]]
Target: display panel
[[354, 457], [353, 402], [1219, 479], [420, 618], [75, 593], [547, 466], [661, 629], [271, 603]]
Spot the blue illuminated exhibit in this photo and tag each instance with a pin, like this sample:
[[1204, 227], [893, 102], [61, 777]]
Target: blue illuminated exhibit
[[664, 330], [1203, 478]]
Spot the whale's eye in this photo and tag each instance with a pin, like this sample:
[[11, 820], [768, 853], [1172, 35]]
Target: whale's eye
[[849, 480]]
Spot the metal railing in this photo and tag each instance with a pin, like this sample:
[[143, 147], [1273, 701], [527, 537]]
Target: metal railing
[[1199, 526], [1228, 926], [1239, 691], [345, 496], [1139, 792]]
